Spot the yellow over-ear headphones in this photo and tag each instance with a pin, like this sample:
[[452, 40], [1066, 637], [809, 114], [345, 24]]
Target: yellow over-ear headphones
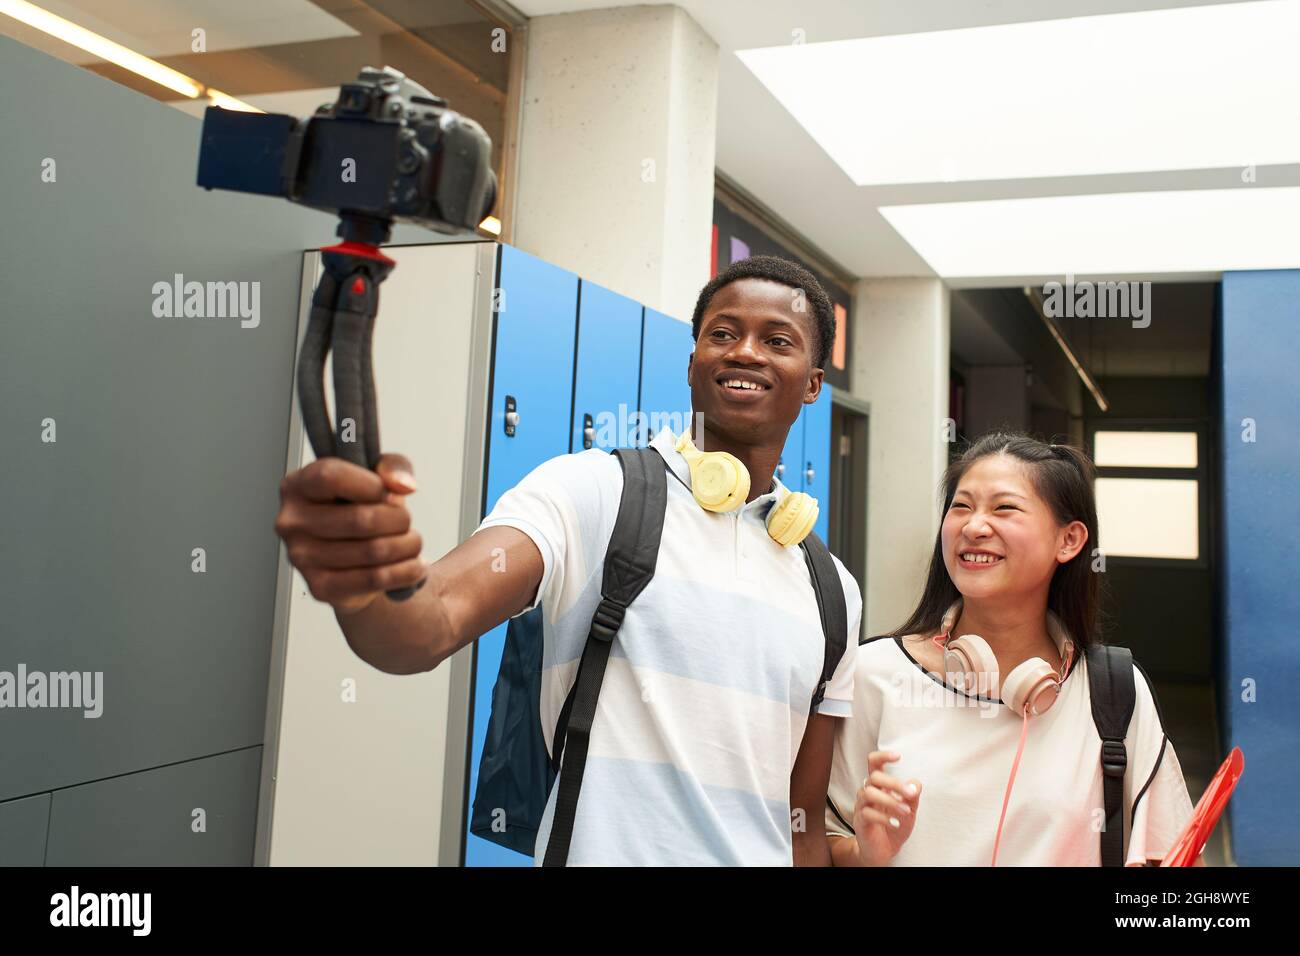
[[720, 482]]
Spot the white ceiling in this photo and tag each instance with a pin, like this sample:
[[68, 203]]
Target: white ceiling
[[165, 27], [768, 152]]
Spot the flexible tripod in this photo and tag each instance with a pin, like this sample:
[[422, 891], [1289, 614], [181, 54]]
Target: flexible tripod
[[343, 310]]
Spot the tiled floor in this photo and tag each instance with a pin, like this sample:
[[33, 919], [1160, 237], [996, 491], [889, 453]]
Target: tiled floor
[[1189, 715]]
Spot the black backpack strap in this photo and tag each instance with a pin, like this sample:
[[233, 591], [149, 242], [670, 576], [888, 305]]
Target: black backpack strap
[[629, 567], [830, 605], [1111, 688]]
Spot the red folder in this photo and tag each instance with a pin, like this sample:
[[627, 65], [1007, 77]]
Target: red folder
[[1191, 841]]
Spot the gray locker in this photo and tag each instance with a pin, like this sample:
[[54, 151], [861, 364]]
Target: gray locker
[[22, 830], [169, 432], [149, 818]]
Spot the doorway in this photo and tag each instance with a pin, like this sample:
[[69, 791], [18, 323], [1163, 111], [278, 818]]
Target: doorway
[[848, 491]]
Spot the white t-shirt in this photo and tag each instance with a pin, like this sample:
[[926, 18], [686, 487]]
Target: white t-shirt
[[710, 680], [961, 746]]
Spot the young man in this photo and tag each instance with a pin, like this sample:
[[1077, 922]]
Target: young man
[[703, 749]]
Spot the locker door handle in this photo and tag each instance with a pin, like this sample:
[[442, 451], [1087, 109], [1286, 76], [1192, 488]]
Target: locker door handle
[[809, 474], [588, 431], [780, 468], [512, 416]]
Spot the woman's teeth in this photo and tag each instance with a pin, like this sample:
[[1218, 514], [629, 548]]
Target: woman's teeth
[[981, 558]]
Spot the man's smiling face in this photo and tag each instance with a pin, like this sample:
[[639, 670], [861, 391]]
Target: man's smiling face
[[762, 334]]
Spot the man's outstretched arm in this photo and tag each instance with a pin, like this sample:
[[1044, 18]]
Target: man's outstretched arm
[[351, 551]]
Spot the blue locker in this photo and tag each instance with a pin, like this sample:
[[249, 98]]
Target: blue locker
[[608, 370], [532, 376], [665, 397], [817, 457], [1258, 513], [789, 468]]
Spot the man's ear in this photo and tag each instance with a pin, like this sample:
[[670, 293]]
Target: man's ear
[[690, 359], [814, 385]]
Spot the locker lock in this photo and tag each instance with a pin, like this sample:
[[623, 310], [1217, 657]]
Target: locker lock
[[512, 416], [780, 468], [588, 431], [809, 474]]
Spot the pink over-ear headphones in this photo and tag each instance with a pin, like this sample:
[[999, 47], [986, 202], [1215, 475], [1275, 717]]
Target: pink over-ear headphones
[[1032, 686], [1029, 690]]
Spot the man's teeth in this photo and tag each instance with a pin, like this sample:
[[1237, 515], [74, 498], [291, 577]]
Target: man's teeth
[[981, 558], [749, 385]]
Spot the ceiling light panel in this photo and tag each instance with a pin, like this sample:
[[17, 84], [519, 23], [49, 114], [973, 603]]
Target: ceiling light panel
[[1179, 231], [1188, 88]]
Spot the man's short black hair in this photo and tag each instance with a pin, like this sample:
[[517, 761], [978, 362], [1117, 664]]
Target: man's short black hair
[[776, 269]]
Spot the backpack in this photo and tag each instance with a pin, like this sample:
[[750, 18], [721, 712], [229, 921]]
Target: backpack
[[1113, 695], [515, 772]]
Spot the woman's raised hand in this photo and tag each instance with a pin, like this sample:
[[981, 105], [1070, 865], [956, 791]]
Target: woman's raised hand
[[885, 811]]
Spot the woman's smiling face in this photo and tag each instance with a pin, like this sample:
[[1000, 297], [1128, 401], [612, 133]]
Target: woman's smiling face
[[998, 535]]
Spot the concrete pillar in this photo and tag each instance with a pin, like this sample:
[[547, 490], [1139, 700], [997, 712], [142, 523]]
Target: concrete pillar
[[616, 151], [901, 364]]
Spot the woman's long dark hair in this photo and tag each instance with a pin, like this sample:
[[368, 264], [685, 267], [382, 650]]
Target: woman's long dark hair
[[1063, 477]]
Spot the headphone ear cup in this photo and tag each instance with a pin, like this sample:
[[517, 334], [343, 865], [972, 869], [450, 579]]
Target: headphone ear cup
[[1033, 685], [719, 481], [792, 518], [967, 658]]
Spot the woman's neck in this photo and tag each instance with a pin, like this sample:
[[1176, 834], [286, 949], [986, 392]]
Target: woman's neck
[[1014, 630]]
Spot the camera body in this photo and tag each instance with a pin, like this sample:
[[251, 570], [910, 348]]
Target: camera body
[[386, 150]]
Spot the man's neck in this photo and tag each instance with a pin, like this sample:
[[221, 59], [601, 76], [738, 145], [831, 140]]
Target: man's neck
[[757, 459]]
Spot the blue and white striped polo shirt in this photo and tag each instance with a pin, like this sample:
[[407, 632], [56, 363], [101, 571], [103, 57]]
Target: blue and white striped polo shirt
[[710, 679]]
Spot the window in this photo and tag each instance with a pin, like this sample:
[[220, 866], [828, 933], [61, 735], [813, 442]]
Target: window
[[1150, 491]]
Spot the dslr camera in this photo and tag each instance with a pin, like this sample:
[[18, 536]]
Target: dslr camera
[[386, 150]]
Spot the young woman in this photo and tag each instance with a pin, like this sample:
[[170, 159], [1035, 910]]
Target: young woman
[[1012, 566]]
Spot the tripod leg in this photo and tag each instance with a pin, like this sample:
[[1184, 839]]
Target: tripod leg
[[311, 367], [356, 292], [372, 426], [368, 403], [354, 380]]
